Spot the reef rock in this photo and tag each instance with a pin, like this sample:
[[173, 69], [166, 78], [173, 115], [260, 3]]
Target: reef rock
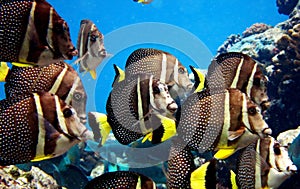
[[13, 177], [286, 6]]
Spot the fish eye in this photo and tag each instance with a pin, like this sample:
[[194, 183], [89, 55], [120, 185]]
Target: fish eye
[[257, 82], [277, 150], [252, 111], [67, 112], [181, 70], [156, 90]]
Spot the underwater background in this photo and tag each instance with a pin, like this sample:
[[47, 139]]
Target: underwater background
[[193, 31]]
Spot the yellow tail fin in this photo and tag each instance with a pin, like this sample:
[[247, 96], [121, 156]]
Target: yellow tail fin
[[199, 77], [98, 123]]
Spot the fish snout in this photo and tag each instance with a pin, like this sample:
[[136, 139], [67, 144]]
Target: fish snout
[[71, 52], [265, 105], [86, 135], [172, 107], [266, 132], [292, 168]]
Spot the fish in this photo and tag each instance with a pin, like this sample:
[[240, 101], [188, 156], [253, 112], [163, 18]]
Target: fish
[[264, 164], [121, 180], [213, 174], [139, 106], [33, 33], [90, 44], [224, 122], [36, 127], [58, 78], [238, 70], [160, 64], [180, 165], [143, 1]]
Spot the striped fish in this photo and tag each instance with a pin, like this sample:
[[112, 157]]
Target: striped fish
[[264, 164], [240, 71], [37, 126], [224, 121], [139, 106], [32, 32], [58, 78], [162, 65], [91, 48]]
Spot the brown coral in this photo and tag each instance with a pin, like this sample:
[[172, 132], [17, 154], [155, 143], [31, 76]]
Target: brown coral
[[255, 29]]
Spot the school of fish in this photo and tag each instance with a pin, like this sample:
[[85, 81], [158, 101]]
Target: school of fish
[[219, 114]]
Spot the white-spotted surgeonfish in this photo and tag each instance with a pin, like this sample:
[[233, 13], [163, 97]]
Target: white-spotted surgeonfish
[[37, 126], [264, 164], [240, 71], [90, 45], [58, 78], [121, 180], [32, 32], [162, 65], [139, 106], [225, 121]]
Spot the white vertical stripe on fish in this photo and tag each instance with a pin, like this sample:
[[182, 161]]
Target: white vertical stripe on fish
[[58, 80], [42, 132], [224, 135], [151, 95], [26, 44], [81, 43], [271, 156], [140, 108], [176, 71], [60, 116], [237, 74], [50, 28], [163, 68], [257, 166], [250, 82], [71, 92], [245, 115]]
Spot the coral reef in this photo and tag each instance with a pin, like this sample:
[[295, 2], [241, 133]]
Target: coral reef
[[255, 29], [13, 177], [286, 6]]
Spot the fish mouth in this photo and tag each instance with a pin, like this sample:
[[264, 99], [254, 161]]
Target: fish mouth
[[69, 55], [266, 132], [83, 119], [86, 135], [172, 107]]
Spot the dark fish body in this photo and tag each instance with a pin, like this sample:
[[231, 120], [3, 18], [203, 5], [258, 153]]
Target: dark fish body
[[238, 70], [37, 126], [121, 180], [58, 78], [162, 65], [90, 45], [180, 165], [31, 32], [135, 107], [227, 120], [264, 164]]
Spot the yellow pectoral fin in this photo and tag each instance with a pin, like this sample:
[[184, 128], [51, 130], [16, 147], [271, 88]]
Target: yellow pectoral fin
[[148, 136], [41, 158], [4, 69], [169, 126], [198, 176], [93, 74], [224, 153], [22, 64]]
